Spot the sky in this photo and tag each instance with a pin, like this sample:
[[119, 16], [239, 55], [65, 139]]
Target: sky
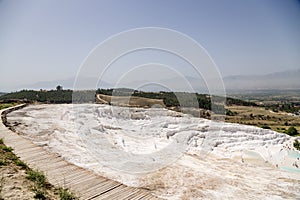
[[49, 40]]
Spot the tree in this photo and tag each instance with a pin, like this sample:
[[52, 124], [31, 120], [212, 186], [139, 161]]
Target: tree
[[265, 127], [292, 131], [59, 88], [286, 123]]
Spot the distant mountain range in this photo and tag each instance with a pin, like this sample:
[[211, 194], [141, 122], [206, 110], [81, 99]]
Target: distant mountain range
[[279, 81], [82, 83]]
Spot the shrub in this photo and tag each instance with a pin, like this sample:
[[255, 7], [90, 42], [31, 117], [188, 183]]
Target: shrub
[[230, 113], [297, 145], [7, 149], [39, 194], [38, 177], [10, 156], [265, 127], [65, 194], [292, 131], [286, 123], [21, 164], [2, 162]]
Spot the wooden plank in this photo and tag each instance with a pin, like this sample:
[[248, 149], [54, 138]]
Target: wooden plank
[[100, 188], [91, 182], [117, 193], [137, 196], [105, 189], [40, 158], [31, 154], [75, 176], [16, 139], [148, 197], [70, 171], [96, 185], [80, 183], [45, 165], [27, 148], [17, 145], [52, 166]]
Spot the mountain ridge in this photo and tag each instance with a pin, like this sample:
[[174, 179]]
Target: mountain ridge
[[289, 79]]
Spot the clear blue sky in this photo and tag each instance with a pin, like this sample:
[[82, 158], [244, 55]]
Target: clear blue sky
[[49, 39]]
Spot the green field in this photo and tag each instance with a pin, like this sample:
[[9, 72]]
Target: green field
[[261, 117]]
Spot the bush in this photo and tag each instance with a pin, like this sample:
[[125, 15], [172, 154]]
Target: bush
[[38, 177], [7, 149], [286, 123], [265, 127], [2, 162], [230, 113], [65, 194], [292, 131], [39, 194], [21, 164], [297, 145]]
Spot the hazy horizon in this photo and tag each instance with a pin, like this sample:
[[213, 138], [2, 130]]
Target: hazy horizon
[[284, 80]]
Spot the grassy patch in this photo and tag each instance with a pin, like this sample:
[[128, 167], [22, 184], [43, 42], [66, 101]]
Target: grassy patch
[[260, 117], [7, 149], [39, 194], [21, 164], [6, 155], [37, 177], [65, 194], [7, 105], [40, 186], [2, 162], [265, 127]]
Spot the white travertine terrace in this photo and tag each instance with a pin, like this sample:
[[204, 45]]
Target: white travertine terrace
[[221, 161]]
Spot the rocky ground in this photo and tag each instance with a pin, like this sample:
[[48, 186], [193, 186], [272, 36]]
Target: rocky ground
[[14, 184]]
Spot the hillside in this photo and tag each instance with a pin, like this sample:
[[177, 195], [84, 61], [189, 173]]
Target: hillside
[[170, 99], [280, 80]]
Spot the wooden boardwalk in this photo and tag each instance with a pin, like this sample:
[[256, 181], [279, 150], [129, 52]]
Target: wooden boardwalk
[[86, 184]]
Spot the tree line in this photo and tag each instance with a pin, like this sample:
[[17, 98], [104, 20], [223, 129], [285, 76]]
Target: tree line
[[176, 99], [170, 99]]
